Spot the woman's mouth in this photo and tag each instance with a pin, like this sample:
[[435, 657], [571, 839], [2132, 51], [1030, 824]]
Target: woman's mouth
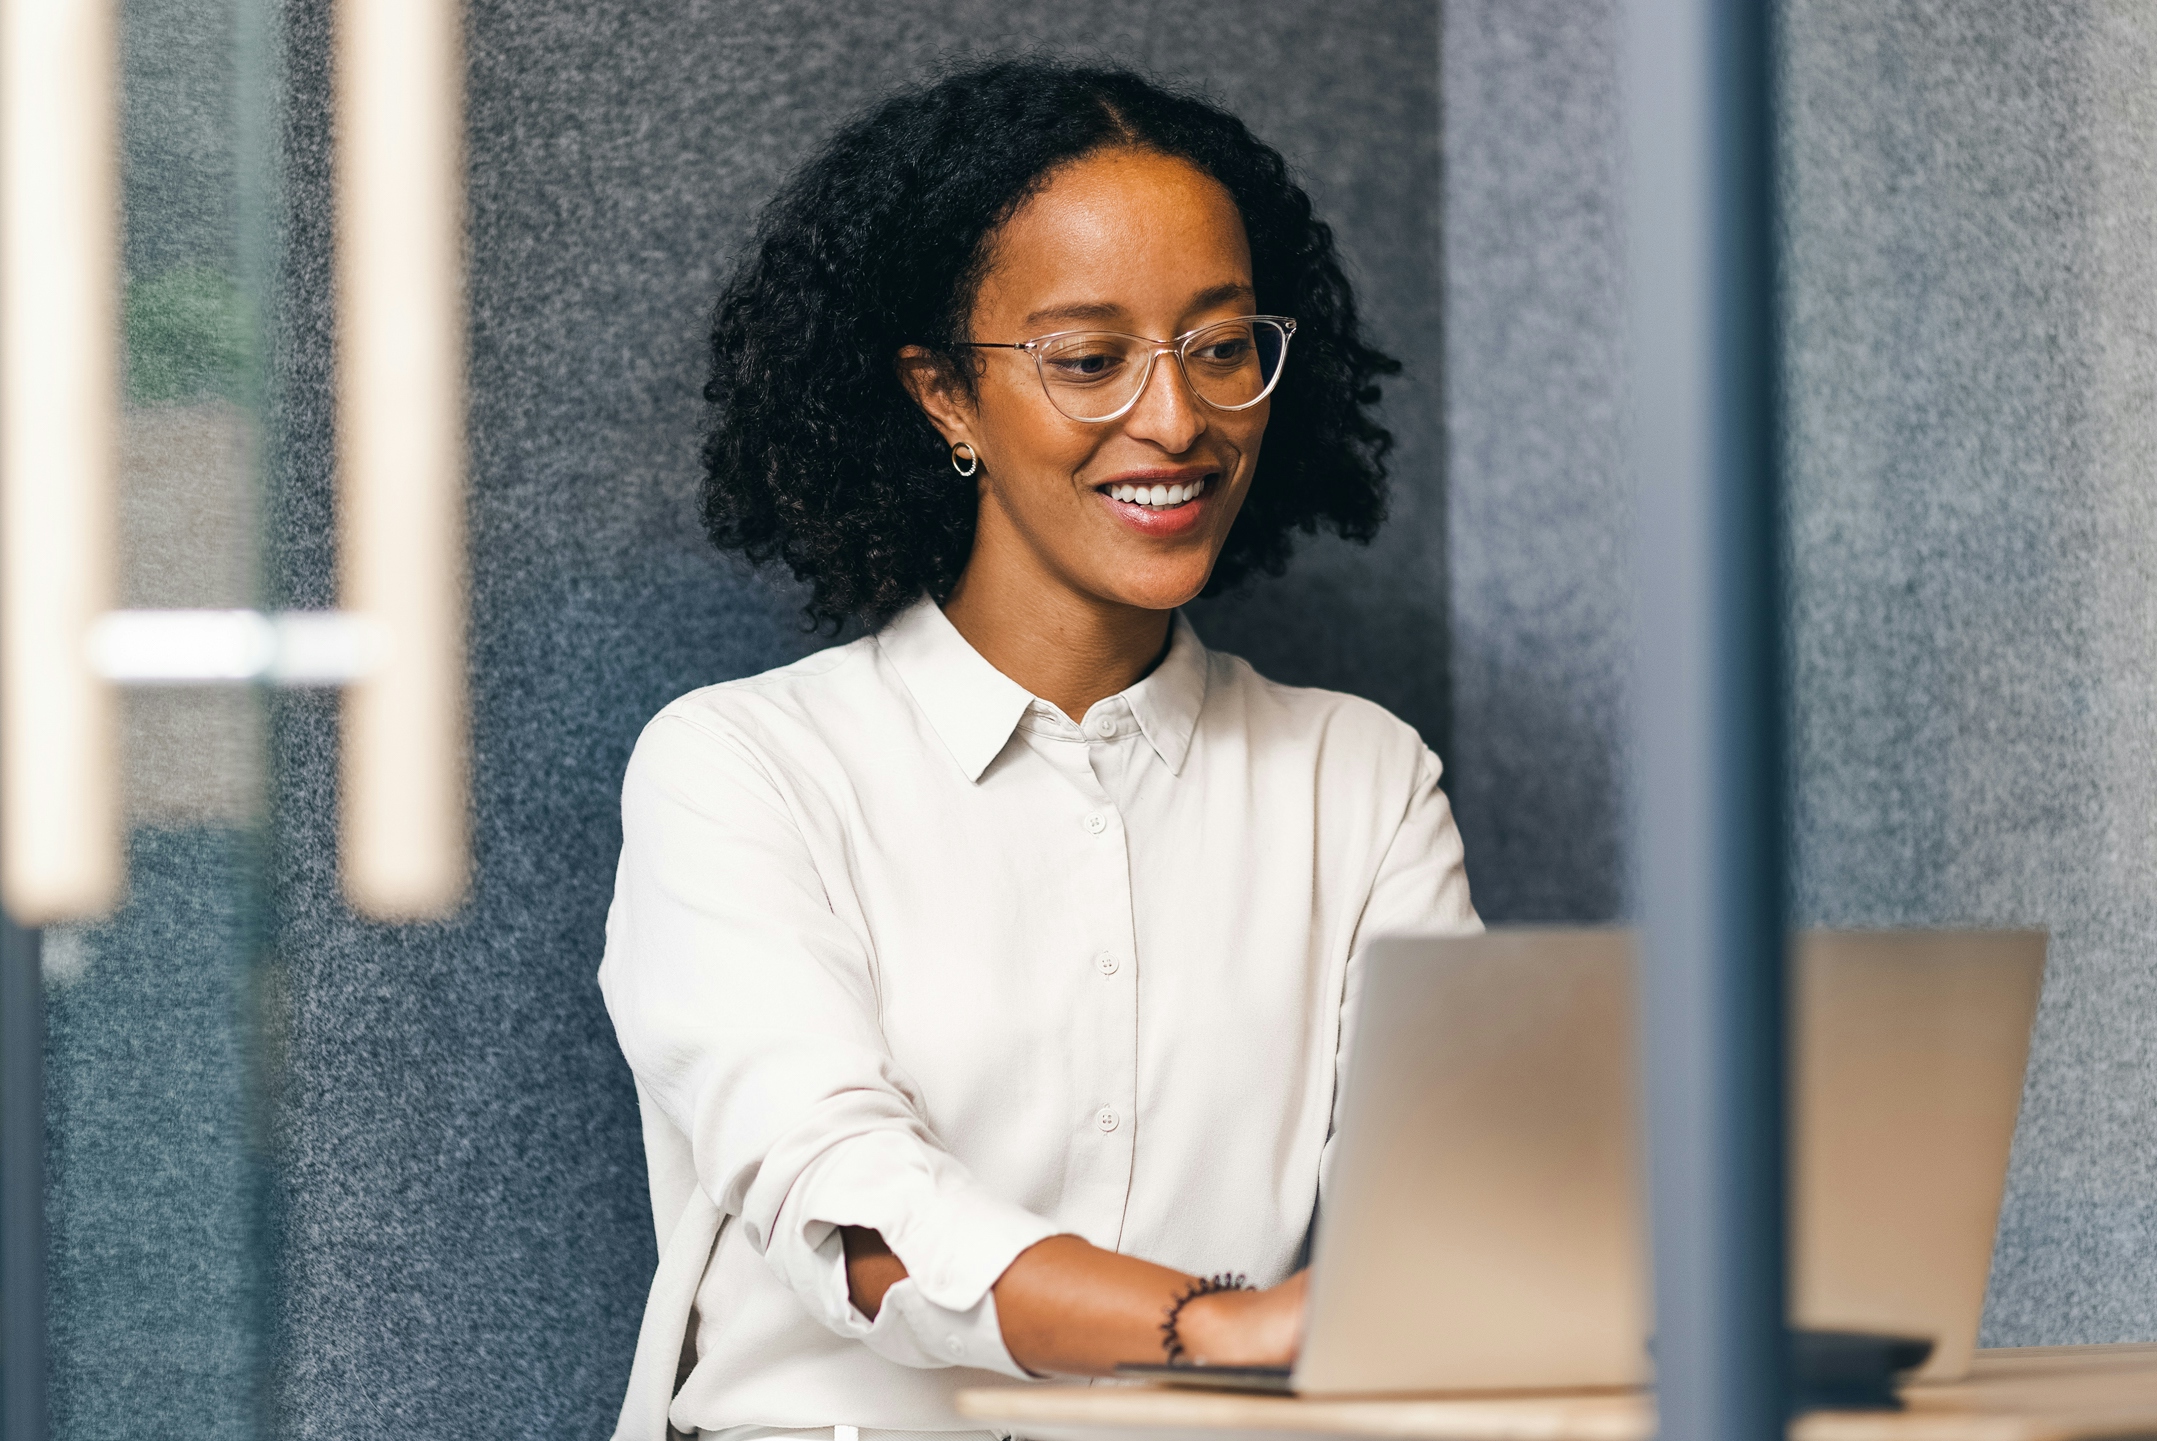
[[1157, 497], [1162, 509]]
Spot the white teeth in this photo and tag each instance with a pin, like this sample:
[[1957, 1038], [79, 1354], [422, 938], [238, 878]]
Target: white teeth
[[1160, 495]]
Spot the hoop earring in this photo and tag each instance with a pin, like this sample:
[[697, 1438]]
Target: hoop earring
[[973, 458]]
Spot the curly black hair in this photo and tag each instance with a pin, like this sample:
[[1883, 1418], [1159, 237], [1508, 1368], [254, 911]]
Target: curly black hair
[[818, 458]]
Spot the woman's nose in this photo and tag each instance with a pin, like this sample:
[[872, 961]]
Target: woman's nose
[[1166, 413]]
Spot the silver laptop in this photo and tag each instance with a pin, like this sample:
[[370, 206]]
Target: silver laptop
[[1483, 1224]]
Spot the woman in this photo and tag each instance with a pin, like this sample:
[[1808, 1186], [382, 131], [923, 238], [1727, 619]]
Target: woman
[[985, 980]]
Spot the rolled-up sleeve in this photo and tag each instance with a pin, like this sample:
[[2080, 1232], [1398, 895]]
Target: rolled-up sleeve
[[748, 1010]]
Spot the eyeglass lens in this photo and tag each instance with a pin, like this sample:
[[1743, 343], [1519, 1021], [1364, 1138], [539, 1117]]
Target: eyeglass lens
[[1091, 375]]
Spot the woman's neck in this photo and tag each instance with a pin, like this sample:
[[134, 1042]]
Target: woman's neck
[[1068, 648]]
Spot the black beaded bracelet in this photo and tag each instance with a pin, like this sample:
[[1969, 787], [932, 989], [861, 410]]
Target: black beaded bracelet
[[1171, 1343]]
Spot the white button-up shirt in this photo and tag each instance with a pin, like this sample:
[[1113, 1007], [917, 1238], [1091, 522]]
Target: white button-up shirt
[[895, 944]]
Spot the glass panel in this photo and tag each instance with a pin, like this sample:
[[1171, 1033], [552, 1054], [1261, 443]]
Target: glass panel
[[187, 478], [154, 1222], [150, 1193]]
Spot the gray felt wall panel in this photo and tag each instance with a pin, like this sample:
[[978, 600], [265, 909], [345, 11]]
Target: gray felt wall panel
[[1539, 482], [1971, 362], [464, 1229]]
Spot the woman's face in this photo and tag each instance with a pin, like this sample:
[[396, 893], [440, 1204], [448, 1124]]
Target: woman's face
[[1123, 240]]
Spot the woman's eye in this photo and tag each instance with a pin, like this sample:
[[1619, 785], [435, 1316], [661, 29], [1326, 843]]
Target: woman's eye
[[1225, 352], [1085, 365]]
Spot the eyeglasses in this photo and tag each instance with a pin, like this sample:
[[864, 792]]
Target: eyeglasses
[[1098, 375]]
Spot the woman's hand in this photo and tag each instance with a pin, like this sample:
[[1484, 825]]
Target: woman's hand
[[1245, 1328]]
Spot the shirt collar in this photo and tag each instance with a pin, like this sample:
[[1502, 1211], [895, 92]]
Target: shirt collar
[[1167, 702], [974, 707], [971, 704]]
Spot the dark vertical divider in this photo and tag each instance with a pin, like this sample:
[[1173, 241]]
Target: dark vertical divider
[[1710, 838], [22, 1186]]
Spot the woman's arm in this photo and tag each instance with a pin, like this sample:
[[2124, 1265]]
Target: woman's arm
[[1069, 1308], [748, 1011]]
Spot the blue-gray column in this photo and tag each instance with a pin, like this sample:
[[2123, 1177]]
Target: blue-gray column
[[22, 1186], [1709, 812]]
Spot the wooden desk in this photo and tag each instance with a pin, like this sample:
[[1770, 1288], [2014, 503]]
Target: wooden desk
[[2056, 1393]]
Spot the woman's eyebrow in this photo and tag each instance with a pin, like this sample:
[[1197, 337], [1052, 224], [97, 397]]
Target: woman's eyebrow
[[1223, 293], [1101, 310], [1084, 310]]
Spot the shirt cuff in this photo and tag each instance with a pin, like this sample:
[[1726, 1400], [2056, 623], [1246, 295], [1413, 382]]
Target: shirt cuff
[[953, 1235], [914, 1331]]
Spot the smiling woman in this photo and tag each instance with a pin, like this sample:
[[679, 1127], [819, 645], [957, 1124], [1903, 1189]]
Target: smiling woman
[[985, 979]]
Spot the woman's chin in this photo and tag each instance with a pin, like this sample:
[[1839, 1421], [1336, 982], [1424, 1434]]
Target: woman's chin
[[1158, 586]]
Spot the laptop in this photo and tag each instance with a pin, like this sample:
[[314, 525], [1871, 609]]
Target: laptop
[[1483, 1226]]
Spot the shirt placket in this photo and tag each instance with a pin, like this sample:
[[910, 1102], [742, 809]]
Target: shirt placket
[[1108, 949]]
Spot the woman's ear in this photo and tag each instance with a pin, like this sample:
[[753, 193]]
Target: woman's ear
[[928, 378]]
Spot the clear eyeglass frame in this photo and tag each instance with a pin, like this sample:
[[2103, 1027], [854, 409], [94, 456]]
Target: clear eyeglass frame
[[1041, 346]]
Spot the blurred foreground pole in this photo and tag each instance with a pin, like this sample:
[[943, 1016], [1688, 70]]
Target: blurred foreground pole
[[1709, 804], [60, 812], [399, 83]]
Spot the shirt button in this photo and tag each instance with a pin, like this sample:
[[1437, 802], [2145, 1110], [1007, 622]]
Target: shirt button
[[1106, 1120], [955, 1346], [1097, 823], [1105, 727], [1106, 962]]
